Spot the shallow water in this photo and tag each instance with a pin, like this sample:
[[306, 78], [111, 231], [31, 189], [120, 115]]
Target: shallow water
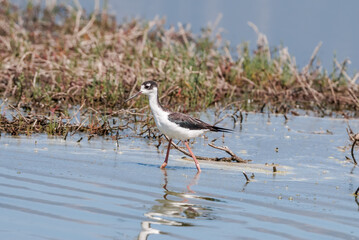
[[55, 189]]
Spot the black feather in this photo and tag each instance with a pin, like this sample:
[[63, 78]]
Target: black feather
[[192, 123], [219, 129], [187, 121]]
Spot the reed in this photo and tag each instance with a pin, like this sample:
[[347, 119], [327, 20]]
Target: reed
[[58, 56]]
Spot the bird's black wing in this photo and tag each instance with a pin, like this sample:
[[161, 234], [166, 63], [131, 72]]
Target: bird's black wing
[[192, 123], [188, 122]]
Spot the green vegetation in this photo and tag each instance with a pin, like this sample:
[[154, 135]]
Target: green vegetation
[[57, 57]]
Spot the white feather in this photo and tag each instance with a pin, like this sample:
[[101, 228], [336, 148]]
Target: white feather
[[170, 129]]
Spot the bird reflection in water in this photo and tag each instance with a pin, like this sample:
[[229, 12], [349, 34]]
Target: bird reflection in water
[[168, 207]]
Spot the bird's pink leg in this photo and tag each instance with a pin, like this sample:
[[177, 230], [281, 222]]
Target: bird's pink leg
[[193, 182], [193, 156], [164, 164]]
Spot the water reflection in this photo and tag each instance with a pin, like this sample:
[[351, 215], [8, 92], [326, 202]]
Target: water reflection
[[244, 186], [174, 208]]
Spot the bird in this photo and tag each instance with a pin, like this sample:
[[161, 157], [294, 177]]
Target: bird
[[175, 125]]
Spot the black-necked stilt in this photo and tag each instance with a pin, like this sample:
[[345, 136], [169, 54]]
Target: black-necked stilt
[[175, 125]]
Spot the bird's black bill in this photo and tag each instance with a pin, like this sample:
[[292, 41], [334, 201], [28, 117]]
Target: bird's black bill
[[139, 93]]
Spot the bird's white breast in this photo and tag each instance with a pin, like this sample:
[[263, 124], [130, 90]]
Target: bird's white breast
[[171, 129]]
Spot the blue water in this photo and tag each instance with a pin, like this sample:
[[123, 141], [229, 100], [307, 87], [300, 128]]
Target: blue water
[[56, 189]]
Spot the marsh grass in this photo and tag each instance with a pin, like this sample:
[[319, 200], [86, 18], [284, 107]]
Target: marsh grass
[[55, 57]]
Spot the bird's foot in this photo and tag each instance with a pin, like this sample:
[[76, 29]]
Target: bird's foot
[[163, 165]]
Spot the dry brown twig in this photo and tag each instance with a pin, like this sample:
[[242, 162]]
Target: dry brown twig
[[342, 68], [227, 150], [18, 111], [233, 157], [245, 175], [92, 20], [356, 139]]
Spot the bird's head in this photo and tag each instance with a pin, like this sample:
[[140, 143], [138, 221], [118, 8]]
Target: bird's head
[[147, 88]]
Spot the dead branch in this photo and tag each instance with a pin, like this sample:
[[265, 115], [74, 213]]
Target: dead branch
[[18, 111], [356, 138], [350, 133], [233, 157], [227, 150], [245, 175]]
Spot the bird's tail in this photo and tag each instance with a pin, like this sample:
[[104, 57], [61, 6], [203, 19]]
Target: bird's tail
[[219, 129]]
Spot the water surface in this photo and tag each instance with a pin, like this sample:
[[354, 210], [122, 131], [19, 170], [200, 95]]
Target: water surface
[[56, 189]]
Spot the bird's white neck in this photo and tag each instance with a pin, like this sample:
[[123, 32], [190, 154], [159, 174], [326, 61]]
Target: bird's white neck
[[155, 106]]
